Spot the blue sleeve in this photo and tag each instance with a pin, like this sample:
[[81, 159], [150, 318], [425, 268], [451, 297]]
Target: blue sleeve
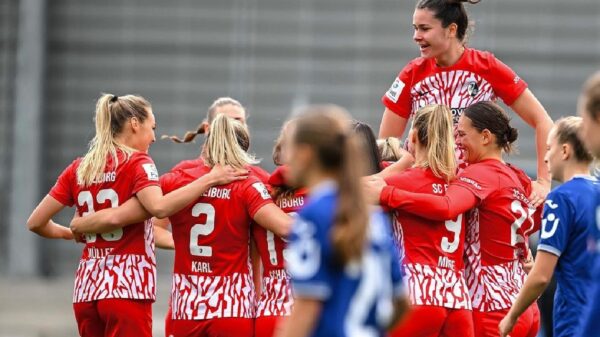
[[305, 260], [557, 222]]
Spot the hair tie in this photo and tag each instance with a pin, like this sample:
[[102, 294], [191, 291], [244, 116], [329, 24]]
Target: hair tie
[[114, 98]]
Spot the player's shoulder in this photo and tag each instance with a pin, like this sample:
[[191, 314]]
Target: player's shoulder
[[320, 202], [479, 58], [188, 163], [577, 188], [260, 173]]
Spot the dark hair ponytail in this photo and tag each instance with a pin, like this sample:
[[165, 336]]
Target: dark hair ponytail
[[449, 12]]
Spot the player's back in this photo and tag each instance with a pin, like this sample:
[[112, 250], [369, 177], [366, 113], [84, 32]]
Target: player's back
[[497, 231], [108, 257], [433, 250], [211, 247], [356, 298]]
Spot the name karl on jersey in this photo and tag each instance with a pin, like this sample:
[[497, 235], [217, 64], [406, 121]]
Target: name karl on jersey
[[201, 267], [219, 193]]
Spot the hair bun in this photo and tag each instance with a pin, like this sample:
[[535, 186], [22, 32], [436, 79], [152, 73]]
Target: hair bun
[[511, 135]]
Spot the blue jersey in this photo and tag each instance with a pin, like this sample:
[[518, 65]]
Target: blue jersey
[[568, 213], [591, 325], [356, 299]]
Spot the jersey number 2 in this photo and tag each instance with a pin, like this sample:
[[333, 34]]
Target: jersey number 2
[[202, 229]]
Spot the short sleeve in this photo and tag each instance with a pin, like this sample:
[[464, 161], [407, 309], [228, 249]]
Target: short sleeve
[[62, 190], [168, 182], [506, 83], [397, 98], [558, 217], [145, 172], [305, 262], [475, 179], [255, 195]]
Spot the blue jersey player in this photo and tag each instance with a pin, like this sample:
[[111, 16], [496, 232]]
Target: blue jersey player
[[569, 211], [344, 268], [589, 109]]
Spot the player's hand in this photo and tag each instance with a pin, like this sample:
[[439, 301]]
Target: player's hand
[[74, 227], [372, 186], [225, 174], [528, 262], [539, 190], [506, 325]]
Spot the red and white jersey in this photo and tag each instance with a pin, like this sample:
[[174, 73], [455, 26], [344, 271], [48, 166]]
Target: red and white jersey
[[256, 171], [477, 76], [497, 232], [212, 276], [119, 264], [433, 250], [276, 296]]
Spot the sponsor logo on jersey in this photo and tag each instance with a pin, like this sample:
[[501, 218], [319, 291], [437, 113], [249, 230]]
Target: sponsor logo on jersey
[[470, 182], [516, 79], [151, 171], [394, 91]]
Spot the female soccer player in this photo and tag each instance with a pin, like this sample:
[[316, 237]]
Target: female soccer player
[[499, 223], [276, 298], [433, 250], [450, 73], [230, 108], [568, 213], [589, 110], [344, 269], [115, 280]]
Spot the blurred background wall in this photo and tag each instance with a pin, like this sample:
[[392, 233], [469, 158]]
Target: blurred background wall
[[58, 56]]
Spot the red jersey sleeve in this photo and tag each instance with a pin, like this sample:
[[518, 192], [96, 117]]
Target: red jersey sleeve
[[145, 173], [62, 190], [398, 98], [477, 179], [505, 82], [168, 182], [435, 207], [255, 195]]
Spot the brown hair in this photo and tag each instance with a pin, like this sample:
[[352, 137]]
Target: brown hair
[[449, 12], [369, 143], [591, 96], [489, 115], [435, 130], [326, 129], [567, 132], [189, 136], [222, 146], [112, 112]]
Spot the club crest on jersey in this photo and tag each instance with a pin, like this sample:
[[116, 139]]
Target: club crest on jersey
[[394, 91], [151, 171], [473, 89]]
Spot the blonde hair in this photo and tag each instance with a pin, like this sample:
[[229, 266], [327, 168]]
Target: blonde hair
[[112, 112], [390, 149], [567, 132], [434, 129], [326, 129], [222, 145], [189, 136]]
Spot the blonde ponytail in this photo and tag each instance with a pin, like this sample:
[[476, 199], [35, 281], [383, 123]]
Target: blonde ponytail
[[435, 130], [111, 114], [224, 144]]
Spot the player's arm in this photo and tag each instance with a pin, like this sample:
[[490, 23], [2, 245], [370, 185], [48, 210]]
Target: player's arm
[[535, 284], [163, 206], [392, 125], [533, 113], [163, 238], [456, 201], [40, 220], [274, 219], [301, 322], [107, 220], [407, 160]]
